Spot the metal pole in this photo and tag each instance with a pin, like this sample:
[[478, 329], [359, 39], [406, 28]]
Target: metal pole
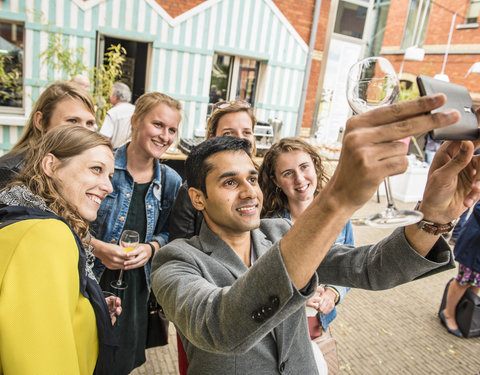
[[311, 47], [448, 44]]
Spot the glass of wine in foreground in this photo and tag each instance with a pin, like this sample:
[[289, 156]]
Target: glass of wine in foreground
[[128, 241], [373, 83]]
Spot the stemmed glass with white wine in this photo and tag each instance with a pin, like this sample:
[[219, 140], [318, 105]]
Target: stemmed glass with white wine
[[373, 83], [128, 240]]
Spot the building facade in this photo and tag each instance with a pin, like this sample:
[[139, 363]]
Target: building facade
[[448, 34], [261, 51], [190, 50]]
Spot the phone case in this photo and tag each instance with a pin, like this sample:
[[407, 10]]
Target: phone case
[[458, 98]]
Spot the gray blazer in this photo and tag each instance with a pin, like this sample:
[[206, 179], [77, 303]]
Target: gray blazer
[[238, 320]]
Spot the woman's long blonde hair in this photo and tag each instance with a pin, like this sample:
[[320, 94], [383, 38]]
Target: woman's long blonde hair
[[46, 104], [274, 199], [64, 142]]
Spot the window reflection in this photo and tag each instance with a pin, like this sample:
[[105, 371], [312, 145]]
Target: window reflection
[[350, 19], [247, 79], [233, 78], [11, 64]]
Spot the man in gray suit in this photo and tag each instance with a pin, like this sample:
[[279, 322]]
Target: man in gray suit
[[237, 291]]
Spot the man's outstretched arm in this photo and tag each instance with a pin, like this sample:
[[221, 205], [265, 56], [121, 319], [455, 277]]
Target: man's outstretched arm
[[371, 152]]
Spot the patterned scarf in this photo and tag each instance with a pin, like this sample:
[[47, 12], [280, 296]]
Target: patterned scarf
[[19, 195]]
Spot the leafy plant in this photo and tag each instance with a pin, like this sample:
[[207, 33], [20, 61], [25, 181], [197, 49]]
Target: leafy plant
[[104, 77], [58, 57], [11, 88], [408, 90], [68, 60]]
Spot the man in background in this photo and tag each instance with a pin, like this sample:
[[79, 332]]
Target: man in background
[[116, 125]]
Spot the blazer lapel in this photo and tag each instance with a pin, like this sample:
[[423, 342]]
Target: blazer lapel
[[221, 252]]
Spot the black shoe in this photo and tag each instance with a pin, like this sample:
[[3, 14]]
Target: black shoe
[[455, 332]]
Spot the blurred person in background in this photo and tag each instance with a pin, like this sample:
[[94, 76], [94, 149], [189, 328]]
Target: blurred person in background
[[117, 125]]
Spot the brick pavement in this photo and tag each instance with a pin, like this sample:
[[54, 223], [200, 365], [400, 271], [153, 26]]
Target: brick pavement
[[378, 333]]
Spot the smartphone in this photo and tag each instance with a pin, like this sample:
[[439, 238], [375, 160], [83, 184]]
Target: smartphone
[[458, 98]]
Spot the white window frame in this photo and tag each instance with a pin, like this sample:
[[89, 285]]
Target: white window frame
[[473, 6], [421, 23]]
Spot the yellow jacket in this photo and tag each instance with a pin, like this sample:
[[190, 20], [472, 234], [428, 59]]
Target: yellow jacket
[[46, 325]]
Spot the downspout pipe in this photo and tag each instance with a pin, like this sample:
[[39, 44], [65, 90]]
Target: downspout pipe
[[306, 78]]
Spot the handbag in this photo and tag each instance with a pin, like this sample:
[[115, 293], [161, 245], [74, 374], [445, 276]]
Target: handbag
[[157, 323], [467, 312], [157, 327], [328, 346]]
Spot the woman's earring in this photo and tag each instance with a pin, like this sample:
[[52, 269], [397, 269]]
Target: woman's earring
[[277, 189]]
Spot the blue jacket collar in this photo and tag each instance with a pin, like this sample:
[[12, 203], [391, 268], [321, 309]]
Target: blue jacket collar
[[121, 163]]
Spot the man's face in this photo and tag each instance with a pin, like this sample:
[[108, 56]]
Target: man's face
[[113, 98], [234, 197]]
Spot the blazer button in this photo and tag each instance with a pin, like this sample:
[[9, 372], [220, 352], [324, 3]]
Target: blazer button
[[275, 302], [282, 367], [121, 218], [258, 317], [149, 206], [128, 195], [267, 311]]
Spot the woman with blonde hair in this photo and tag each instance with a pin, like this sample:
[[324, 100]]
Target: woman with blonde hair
[[53, 316], [142, 198], [59, 104]]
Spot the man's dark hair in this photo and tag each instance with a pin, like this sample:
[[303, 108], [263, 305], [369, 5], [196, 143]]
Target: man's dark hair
[[196, 166]]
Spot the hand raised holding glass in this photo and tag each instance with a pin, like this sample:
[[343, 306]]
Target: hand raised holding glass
[[373, 83], [128, 241]]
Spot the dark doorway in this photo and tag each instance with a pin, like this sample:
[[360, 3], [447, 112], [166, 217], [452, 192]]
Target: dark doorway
[[135, 65]]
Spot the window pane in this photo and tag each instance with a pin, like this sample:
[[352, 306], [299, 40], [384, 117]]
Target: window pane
[[379, 31], [417, 22], [473, 11], [350, 19], [221, 71], [247, 80], [11, 64]]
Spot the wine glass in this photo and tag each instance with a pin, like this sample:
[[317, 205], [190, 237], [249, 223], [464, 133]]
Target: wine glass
[[373, 83], [128, 241]]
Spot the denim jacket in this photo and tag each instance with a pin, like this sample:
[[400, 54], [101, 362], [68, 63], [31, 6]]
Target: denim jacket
[[113, 211], [344, 238]]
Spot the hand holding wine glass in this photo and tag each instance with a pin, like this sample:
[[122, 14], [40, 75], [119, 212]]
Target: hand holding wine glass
[[128, 241], [373, 83]]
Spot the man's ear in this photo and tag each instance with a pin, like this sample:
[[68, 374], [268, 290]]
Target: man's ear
[[197, 197], [49, 163], [37, 120]]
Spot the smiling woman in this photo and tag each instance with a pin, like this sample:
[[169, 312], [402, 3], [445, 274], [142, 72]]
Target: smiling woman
[[48, 288], [142, 197], [291, 176], [61, 103]]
